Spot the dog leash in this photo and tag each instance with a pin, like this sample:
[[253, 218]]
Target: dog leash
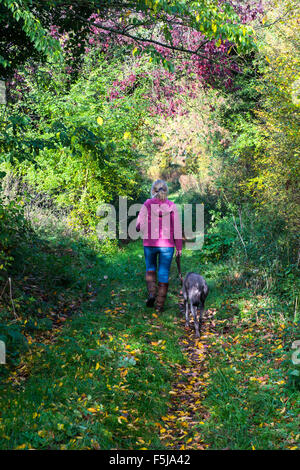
[[179, 268]]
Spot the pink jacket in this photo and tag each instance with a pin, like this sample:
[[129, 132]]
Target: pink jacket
[[160, 224]]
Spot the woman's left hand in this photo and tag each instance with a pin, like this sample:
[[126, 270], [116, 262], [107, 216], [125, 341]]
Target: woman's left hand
[[178, 252]]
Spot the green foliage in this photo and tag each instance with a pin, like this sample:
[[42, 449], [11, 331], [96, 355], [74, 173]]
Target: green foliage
[[236, 154], [259, 249], [277, 164], [44, 282], [15, 343], [24, 35], [13, 230], [219, 239], [80, 145], [260, 162]]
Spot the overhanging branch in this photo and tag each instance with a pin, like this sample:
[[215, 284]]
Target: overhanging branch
[[184, 50]]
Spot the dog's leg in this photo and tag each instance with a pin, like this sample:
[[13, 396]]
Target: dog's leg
[[194, 312], [187, 320]]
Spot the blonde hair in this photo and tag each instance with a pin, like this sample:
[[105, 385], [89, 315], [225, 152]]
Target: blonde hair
[[159, 190]]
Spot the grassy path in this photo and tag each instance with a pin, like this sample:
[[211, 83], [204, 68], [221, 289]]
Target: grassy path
[[116, 375]]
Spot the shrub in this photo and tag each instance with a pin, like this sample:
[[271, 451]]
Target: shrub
[[13, 229]]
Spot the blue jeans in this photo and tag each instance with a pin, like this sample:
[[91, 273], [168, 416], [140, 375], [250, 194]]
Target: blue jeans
[[165, 255]]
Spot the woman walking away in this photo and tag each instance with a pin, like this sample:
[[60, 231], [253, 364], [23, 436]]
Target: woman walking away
[[160, 225]]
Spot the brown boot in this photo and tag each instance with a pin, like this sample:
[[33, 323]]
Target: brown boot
[[161, 296], [151, 287]]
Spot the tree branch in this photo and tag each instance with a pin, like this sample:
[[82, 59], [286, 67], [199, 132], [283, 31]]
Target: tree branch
[[158, 43]]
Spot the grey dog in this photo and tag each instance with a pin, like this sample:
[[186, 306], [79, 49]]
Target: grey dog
[[195, 291]]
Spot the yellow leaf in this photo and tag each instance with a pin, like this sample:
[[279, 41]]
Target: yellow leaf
[[127, 135], [92, 410], [100, 120], [97, 366], [22, 446], [120, 419]]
